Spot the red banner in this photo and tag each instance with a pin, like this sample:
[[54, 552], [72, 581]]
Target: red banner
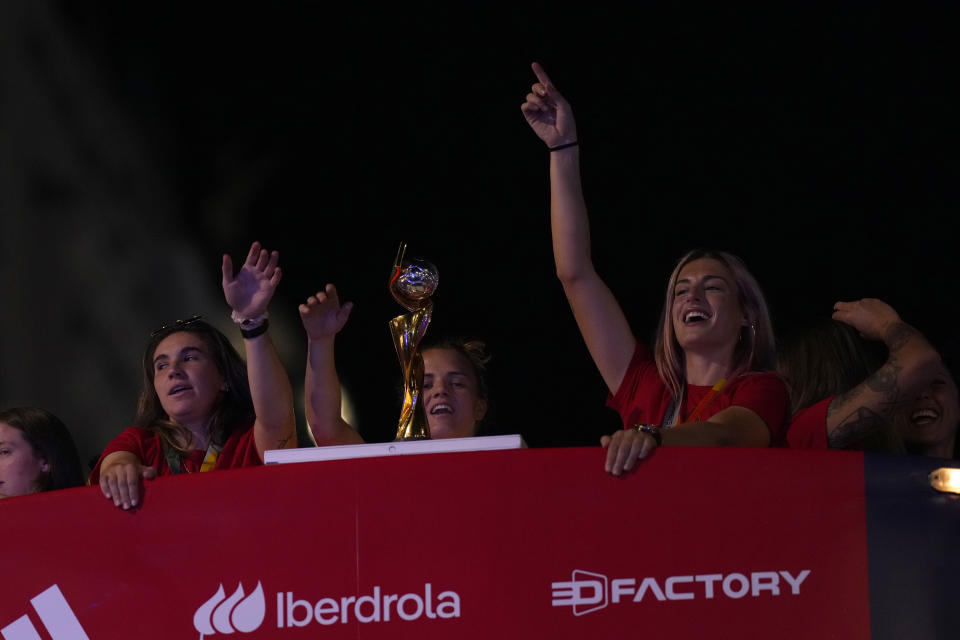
[[526, 543]]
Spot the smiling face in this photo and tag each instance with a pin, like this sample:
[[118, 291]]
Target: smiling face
[[706, 311], [186, 378], [930, 425], [451, 394], [20, 467]]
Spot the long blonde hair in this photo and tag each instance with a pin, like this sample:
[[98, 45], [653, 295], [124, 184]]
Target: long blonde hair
[[755, 349]]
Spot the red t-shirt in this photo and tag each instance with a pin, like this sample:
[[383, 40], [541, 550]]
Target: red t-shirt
[[643, 398], [808, 428], [240, 450]]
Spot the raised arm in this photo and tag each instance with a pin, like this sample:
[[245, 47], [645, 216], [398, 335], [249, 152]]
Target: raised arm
[[323, 317], [911, 364], [601, 320], [249, 293]]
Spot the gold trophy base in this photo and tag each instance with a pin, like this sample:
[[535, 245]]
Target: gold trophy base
[[407, 331]]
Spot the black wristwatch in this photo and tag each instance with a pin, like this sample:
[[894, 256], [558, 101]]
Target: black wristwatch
[[651, 430]]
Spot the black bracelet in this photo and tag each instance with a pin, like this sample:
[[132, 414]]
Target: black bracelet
[[651, 430], [258, 330], [564, 146]]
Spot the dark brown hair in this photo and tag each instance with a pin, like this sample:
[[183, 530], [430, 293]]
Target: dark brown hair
[[235, 408], [827, 359], [50, 441]]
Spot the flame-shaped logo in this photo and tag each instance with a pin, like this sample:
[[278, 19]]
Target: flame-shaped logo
[[226, 615]]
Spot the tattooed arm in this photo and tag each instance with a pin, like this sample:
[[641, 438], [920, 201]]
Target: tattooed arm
[[911, 364]]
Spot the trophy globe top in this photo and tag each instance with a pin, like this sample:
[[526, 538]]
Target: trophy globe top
[[413, 283]]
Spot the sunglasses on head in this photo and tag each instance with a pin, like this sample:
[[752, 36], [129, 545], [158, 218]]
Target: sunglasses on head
[[179, 324]]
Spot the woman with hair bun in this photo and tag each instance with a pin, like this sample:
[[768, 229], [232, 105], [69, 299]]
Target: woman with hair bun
[[454, 389], [707, 380]]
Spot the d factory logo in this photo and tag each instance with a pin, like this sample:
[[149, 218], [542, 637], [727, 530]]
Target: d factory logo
[[586, 591]]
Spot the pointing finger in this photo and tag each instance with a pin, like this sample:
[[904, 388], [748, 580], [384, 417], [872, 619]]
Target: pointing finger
[[541, 74]]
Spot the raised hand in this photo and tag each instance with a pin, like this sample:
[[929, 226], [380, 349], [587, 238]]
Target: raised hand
[[322, 314], [249, 292], [547, 112], [873, 318]]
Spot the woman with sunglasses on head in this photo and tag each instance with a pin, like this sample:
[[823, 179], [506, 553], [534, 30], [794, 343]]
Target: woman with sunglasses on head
[[707, 380], [201, 408]]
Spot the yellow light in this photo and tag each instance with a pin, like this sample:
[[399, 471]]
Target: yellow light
[[945, 479]]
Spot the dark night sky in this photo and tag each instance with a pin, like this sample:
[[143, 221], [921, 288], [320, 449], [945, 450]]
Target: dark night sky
[[818, 144]]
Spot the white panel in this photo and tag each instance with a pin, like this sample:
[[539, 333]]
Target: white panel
[[57, 616], [20, 629]]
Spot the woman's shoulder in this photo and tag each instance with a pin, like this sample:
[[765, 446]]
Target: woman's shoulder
[[758, 383], [143, 431], [751, 378]]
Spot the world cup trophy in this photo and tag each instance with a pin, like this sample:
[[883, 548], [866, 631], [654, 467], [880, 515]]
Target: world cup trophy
[[411, 284]]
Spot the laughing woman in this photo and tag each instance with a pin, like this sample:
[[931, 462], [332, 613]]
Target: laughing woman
[[454, 390], [929, 426], [201, 408], [707, 380]]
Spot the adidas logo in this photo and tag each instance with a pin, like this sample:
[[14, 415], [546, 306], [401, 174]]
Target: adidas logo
[[55, 614]]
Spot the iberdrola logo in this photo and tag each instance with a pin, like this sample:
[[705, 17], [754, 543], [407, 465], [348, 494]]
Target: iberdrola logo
[[239, 612]]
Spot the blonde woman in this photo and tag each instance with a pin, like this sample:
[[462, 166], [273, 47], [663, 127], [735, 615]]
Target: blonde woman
[[707, 380]]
